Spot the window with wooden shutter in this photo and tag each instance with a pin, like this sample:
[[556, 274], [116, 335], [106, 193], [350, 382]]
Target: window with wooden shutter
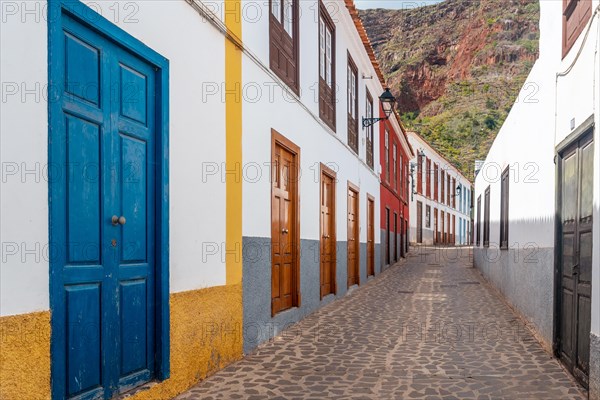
[[386, 148], [576, 14], [352, 103], [448, 190], [369, 112], [419, 174], [401, 176], [326, 67], [395, 167], [435, 182], [443, 187], [453, 193], [478, 228], [428, 177], [504, 209], [283, 41], [486, 219]]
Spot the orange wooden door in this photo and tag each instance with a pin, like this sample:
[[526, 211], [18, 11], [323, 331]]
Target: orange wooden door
[[449, 228], [328, 237], [435, 226], [353, 237], [370, 236], [443, 230], [283, 230]]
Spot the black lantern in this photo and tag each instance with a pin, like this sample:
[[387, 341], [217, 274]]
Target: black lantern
[[387, 101]]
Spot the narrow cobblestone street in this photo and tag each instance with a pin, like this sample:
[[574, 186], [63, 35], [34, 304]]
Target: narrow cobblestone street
[[427, 328]]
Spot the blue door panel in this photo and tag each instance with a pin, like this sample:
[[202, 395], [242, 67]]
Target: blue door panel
[[133, 326], [82, 62], [134, 95], [103, 144], [83, 341], [134, 181], [83, 182]]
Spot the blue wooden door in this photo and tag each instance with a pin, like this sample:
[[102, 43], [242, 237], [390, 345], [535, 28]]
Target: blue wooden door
[[102, 217]]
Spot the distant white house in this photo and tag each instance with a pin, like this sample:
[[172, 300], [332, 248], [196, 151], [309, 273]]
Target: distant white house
[[538, 193], [440, 204]]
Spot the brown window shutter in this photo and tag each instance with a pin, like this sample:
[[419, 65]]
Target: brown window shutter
[[576, 14], [283, 48]]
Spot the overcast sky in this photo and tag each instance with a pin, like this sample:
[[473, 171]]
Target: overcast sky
[[363, 4]]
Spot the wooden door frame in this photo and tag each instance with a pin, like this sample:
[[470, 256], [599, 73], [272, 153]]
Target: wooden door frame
[[396, 256], [356, 190], [435, 226], [94, 21], [277, 139], [585, 129], [325, 170], [370, 198], [419, 222]]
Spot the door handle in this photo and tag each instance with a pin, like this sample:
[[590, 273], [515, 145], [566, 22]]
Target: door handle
[[118, 220], [326, 236], [285, 231]]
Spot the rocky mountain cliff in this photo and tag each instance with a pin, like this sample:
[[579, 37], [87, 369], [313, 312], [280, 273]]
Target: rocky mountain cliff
[[456, 68]]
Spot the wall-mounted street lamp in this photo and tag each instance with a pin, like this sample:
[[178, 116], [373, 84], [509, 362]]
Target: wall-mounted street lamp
[[458, 190], [387, 101]]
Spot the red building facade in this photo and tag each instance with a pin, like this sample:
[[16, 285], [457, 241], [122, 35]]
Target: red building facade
[[395, 156]]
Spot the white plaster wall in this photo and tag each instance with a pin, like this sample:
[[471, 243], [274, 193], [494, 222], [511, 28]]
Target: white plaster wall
[[197, 146], [23, 147], [298, 120]]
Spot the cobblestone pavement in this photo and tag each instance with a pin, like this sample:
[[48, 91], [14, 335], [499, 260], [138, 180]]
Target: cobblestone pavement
[[427, 328]]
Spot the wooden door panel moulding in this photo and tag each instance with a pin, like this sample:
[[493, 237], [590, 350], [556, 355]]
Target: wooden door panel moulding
[[370, 235], [353, 237], [278, 141], [331, 174]]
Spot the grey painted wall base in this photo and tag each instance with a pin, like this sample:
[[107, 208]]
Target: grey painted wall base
[[594, 366], [526, 279], [383, 236], [259, 326]]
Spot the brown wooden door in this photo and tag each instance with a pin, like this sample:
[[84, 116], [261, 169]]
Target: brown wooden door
[[576, 181], [448, 229], [370, 236], [419, 222], [284, 246], [388, 248], [453, 225], [401, 238], [436, 233], [443, 230], [353, 237], [328, 236], [395, 237]]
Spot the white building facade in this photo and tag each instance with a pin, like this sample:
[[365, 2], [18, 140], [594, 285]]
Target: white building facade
[[440, 203], [537, 195], [180, 182]]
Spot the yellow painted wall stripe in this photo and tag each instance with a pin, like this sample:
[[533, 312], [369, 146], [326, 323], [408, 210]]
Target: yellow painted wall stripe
[[233, 140]]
